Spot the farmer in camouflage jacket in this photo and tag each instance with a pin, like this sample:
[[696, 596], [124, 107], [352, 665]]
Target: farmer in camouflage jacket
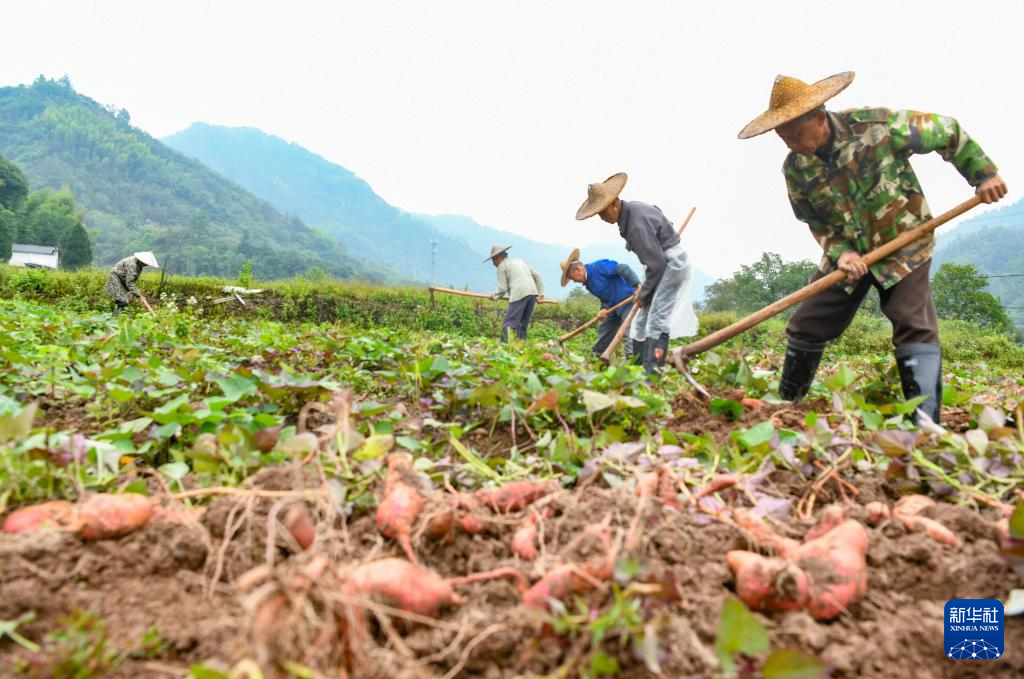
[[850, 180], [121, 284]]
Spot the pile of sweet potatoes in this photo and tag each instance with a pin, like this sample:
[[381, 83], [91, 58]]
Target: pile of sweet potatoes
[[826, 574]]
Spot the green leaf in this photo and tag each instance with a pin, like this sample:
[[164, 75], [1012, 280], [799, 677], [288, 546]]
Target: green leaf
[[235, 387], [738, 632], [138, 487], [201, 671], [603, 665], [375, 447], [596, 401], [724, 407], [18, 425], [843, 378], [756, 436], [175, 471], [1017, 522], [789, 663], [872, 420]]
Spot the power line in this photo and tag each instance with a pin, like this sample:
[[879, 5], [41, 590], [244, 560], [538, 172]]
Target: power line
[[1006, 275]]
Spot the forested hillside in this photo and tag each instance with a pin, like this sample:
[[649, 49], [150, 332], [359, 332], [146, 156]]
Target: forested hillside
[[994, 242], [141, 195], [338, 202], [334, 200]]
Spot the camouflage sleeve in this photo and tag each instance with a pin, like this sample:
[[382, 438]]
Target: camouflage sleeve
[[917, 132], [131, 277], [833, 243]]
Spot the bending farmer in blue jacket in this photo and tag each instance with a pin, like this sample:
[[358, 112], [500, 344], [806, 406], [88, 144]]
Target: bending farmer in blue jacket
[[611, 282]]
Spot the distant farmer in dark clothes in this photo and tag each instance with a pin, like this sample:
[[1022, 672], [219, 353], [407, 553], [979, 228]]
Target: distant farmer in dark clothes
[[121, 283], [611, 282], [523, 287], [849, 179], [664, 294]]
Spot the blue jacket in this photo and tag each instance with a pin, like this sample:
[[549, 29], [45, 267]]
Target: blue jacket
[[610, 282]]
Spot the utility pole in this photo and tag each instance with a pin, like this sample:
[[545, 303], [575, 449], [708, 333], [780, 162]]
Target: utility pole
[[433, 258]]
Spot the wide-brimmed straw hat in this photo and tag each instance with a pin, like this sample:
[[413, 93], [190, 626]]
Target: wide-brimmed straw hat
[[573, 258], [600, 196], [147, 258], [497, 250], [791, 98]]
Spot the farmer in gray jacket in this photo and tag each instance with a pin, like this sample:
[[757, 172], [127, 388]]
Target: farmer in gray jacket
[[523, 287], [653, 239]]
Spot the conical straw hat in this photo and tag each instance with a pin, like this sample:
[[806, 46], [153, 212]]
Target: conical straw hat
[[574, 257], [147, 258], [600, 196], [791, 98], [497, 250]]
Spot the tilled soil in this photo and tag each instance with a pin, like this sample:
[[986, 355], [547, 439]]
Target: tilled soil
[[193, 581]]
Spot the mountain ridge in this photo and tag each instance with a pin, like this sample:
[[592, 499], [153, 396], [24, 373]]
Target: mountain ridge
[[338, 202]]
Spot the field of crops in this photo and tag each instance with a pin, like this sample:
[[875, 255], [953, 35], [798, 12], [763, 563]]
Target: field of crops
[[250, 495]]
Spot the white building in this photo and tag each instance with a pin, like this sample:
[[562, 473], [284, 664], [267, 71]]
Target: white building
[[32, 256]]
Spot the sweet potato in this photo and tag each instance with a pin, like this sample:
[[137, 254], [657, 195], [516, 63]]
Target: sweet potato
[[768, 584], [826, 574], [876, 512], [907, 510], [763, 536], [401, 505], [566, 579], [836, 569], [404, 585], [832, 516], [646, 484], [717, 484], [299, 525], [524, 541], [53, 514], [104, 516], [513, 496]]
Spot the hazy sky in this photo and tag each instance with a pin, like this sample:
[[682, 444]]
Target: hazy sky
[[505, 111]]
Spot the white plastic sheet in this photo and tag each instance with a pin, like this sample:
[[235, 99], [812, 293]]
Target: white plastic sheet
[[671, 307]]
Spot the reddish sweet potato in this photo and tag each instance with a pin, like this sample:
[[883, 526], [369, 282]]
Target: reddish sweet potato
[[907, 510], [104, 516], [832, 516], [717, 484], [401, 505], [763, 536], [404, 585], [876, 512], [513, 496], [52, 514], [559, 583], [836, 569], [827, 574], [524, 541], [646, 484], [299, 525], [768, 584]]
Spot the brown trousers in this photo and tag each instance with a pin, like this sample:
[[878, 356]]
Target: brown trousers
[[908, 304]]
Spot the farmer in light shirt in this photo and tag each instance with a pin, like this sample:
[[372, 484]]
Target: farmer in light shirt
[[522, 285]]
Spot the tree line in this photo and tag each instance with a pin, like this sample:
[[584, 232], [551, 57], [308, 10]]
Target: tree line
[[42, 217], [960, 291]]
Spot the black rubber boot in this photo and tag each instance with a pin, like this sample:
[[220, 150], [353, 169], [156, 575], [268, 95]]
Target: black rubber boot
[[639, 347], [920, 367], [655, 355], [802, 359]]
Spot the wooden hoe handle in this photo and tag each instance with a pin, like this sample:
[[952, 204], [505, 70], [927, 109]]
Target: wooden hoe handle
[[823, 283]]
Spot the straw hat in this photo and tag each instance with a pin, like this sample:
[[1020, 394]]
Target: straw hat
[[497, 250], [791, 98], [147, 258], [574, 257], [600, 196]]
